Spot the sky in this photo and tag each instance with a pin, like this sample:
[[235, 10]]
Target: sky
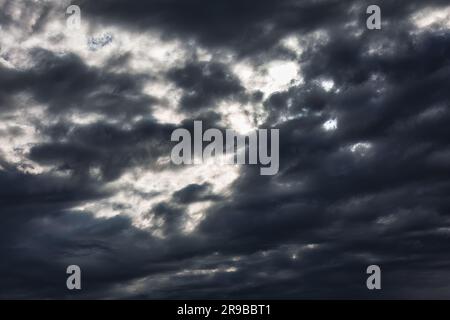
[[86, 178]]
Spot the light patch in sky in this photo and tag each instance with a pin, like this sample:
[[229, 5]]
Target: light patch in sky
[[200, 272], [387, 220], [432, 113], [138, 190], [169, 96], [84, 119], [195, 214], [146, 51], [168, 115], [428, 17], [96, 43], [361, 148], [274, 76], [241, 118], [18, 136], [327, 85], [150, 54], [282, 74], [331, 125], [292, 43]]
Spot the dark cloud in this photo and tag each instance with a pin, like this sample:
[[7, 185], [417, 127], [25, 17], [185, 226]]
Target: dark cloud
[[195, 193], [112, 149], [250, 26], [372, 191], [205, 84]]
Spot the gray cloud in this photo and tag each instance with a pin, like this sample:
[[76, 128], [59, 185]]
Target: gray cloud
[[371, 191]]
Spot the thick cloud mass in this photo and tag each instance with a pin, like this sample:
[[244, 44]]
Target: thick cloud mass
[[86, 178]]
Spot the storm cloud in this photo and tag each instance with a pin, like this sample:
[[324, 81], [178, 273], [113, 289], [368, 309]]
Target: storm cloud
[[85, 170]]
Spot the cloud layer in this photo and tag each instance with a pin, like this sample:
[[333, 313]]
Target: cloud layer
[[86, 179]]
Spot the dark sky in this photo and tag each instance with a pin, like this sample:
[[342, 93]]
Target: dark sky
[[85, 175]]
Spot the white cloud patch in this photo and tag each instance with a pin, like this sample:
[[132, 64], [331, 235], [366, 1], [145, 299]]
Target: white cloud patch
[[330, 125], [432, 16], [270, 77]]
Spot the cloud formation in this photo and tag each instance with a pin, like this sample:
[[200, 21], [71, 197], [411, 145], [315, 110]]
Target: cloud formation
[[86, 179]]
